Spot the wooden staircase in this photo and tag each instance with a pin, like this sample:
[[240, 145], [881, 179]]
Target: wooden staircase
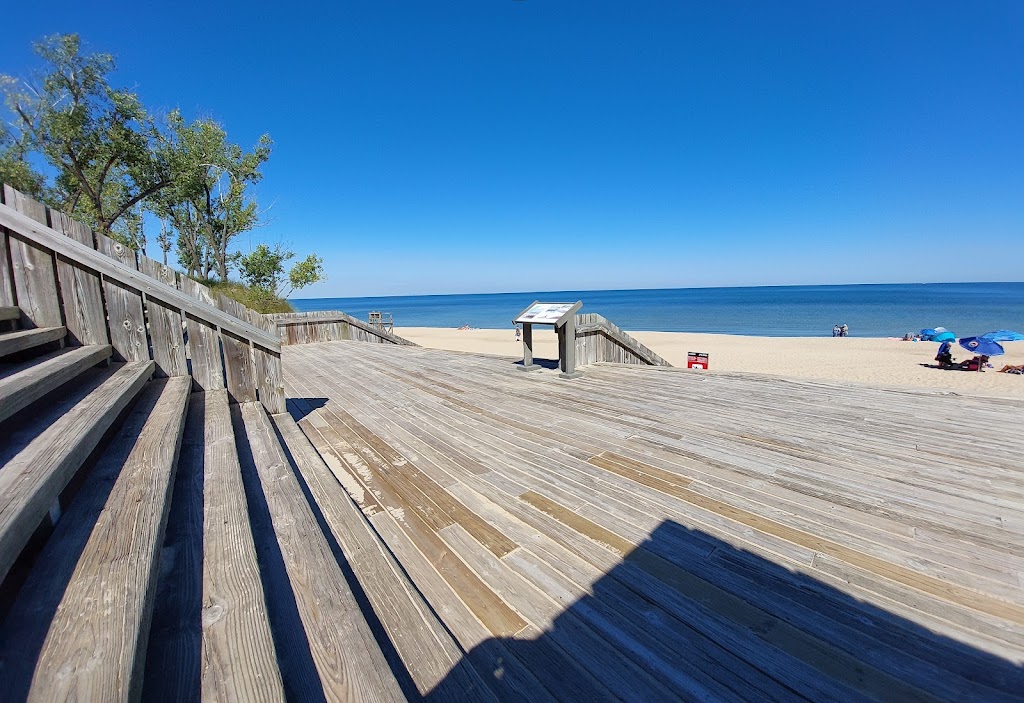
[[160, 535]]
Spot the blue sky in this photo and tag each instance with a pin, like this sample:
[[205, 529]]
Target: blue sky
[[502, 145]]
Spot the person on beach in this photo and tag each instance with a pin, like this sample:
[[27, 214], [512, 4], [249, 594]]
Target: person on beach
[[844, 331], [944, 355], [519, 333], [835, 330]]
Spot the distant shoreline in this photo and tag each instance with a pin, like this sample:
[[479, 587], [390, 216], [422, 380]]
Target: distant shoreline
[[871, 311], [875, 361]]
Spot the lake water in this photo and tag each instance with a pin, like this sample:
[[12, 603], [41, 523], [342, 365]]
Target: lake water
[[888, 310]]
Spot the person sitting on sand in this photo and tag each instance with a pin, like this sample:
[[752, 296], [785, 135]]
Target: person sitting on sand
[[944, 355], [976, 363], [844, 331], [835, 330]]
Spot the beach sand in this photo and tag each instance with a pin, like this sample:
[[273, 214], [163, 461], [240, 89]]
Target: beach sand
[[871, 361]]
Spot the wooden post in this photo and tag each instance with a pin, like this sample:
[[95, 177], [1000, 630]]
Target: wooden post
[[203, 344], [165, 323], [528, 364], [567, 349], [80, 287], [35, 278], [124, 306]]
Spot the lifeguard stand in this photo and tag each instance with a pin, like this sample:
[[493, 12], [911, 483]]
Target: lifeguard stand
[[382, 321]]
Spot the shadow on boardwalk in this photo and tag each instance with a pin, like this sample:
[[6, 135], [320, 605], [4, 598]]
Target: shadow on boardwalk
[[686, 616]]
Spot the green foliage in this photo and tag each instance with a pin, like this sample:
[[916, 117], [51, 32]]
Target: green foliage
[[263, 269], [257, 299], [208, 203], [111, 162], [14, 168], [107, 152]]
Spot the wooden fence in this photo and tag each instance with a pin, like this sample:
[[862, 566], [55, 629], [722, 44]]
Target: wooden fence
[[597, 339], [329, 326], [60, 274]]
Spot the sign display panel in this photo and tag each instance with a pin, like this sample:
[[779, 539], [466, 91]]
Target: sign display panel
[[545, 313]]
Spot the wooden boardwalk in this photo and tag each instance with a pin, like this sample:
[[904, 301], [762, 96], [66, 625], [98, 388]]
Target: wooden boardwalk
[[645, 534]]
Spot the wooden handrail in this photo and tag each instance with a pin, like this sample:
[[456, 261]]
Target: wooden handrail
[[51, 239]]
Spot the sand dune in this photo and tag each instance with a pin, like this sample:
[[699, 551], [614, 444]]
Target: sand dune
[[873, 361]]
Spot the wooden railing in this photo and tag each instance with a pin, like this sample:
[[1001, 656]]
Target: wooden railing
[[597, 339], [330, 326], [62, 274]]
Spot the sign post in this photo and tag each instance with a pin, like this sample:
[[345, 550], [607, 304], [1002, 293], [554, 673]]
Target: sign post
[[563, 317]]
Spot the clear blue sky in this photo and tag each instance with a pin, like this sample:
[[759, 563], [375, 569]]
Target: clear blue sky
[[494, 145]]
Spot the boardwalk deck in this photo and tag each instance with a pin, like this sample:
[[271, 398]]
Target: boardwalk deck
[[648, 535]]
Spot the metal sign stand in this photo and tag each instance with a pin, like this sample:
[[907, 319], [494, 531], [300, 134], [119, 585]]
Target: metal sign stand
[[563, 317]]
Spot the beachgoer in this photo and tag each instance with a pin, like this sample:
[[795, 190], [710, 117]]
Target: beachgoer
[[835, 330], [907, 337], [519, 333], [1010, 368], [944, 355], [844, 331], [976, 363]]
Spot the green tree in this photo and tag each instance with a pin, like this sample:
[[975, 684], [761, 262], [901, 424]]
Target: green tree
[[15, 170], [263, 268], [209, 204], [108, 153]]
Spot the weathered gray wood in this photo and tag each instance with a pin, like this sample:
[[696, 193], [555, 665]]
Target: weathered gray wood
[[347, 658], [238, 356], [19, 340], [118, 567], [27, 382], [238, 659], [32, 266], [31, 481], [203, 341], [10, 312], [690, 514], [124, 305], [81, 288], [597, 339], [7, 298], [419, 637], [269, 379], [113, 268], [329, 326], [165, 327]]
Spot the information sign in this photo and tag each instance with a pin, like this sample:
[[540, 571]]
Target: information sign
[[546, 313]]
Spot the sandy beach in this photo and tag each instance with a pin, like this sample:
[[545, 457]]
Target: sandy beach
[[887, 362]]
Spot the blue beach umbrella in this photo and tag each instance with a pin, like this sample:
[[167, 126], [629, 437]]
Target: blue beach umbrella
[[944, 337], [928, 332], [980, 345], [1003, 336]]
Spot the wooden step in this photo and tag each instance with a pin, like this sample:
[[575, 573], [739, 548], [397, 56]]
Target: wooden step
[[429, 651], [9, 313], [105, 551], [331, 650], [210, 631], [25, 383], [31, 481], [20, 340]]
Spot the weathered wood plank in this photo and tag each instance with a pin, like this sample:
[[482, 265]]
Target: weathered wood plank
[[348, 660], [20, 340], [124, 305], [111, 267], [203, 341], [31, 481], [25, 383], [32, 266], [269, 379], [430, 653], [80, 287], [118, 567], [165, 326], [238, 661]]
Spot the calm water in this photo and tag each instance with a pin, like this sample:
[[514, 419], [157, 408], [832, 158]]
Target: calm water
[[783, 311]]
